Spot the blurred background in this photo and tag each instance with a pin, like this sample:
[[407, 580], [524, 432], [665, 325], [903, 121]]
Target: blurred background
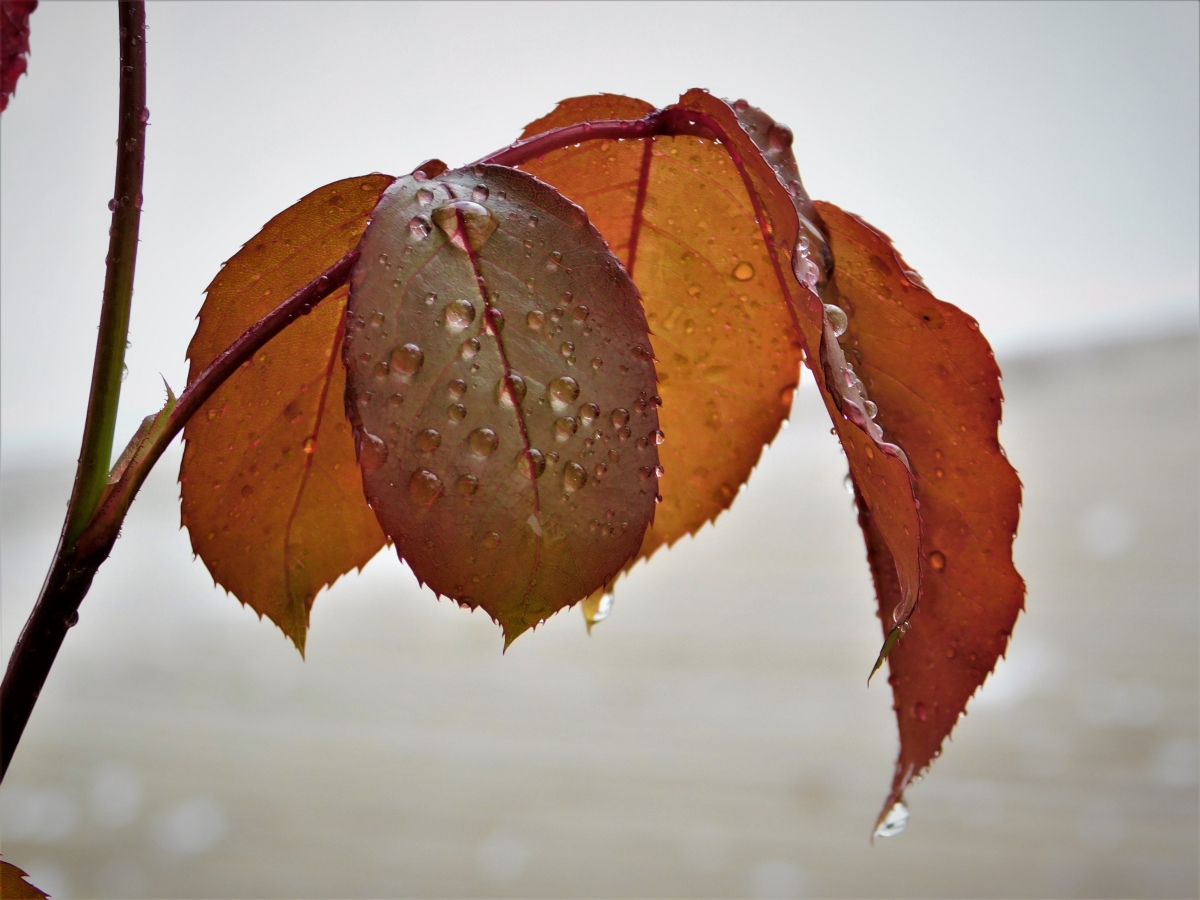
[[713, 737]]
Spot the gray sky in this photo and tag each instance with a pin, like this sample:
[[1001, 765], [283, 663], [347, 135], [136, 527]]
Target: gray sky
[[1036, 162]]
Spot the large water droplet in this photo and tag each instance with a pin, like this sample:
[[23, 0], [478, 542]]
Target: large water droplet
[[465, 223], [511, 390], [407, 360], [743, 271], [483, 441], [424, 487], [563, 392], [658, 437], [871, 408], [459, 314], [419, 228], [536, 320], [574, 477], [531, 463], [372, 451], [837, 319], [565, 428], [428, 440], [894, 822]]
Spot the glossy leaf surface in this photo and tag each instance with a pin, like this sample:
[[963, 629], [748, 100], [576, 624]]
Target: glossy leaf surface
[[503, 392], [271, 492], [678, 214], [938, 388]]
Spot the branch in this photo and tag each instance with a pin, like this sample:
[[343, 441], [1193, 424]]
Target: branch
[[74, 567]]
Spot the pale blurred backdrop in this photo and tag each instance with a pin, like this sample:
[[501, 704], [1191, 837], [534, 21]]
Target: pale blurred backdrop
[[714, 737]]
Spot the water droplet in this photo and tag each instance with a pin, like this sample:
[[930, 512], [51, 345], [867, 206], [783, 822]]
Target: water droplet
[[556, 314], [424, 196], [624, 433], [428, 440], [837, 319], [456, 412], [937, 561], [804, 269], [372, 451], [124, 372], [599, 471], [459, 314], [419, 227], [565, 428], [920, 711], [467, 485], [563, 392], [894, 822], [483, 441], [658, 437], [469, 348], [871, 408], [511, 390], [536, 320], [619, 417], [310, 445], [531, 463], [377, 320], [495, 320], [589, 413], [580, 313], [430, 298], [848, 484], [939, 473], [465, 223], [407, 359], [383, 259], [660, 471], [597, 362], [802, 244], [424, 487], [567, 348], [743, 271], [480, 193], [574, 477], [492, 541], [293, 412], [113, 204]]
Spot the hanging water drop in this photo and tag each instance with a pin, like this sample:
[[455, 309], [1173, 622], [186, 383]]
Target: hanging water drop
[[894, 822]]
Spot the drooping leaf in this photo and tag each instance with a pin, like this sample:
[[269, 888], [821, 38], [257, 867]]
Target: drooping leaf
[[13, 885], [937, 385], [503, 392], [271, 492], [14, 44], [677, 212]]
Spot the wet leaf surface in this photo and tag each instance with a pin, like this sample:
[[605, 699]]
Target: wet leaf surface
[[937, 385], [272, 497], [676, 211], [503, 393]]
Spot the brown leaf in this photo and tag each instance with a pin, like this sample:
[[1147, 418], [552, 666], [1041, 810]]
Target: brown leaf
[[677, 212], [271, 492], [502, 391], [937, 385], [13, 885], [14, 44]]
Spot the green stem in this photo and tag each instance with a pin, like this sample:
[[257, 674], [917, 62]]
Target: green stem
[[109, 367]]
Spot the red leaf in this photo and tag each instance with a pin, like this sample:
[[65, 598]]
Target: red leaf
[[14, 44], [937, 385], [502, 392]]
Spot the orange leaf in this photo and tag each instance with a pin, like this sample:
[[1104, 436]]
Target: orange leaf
[[502, 392], [935, 380], [271, 492], [13, 885], [676, 211]]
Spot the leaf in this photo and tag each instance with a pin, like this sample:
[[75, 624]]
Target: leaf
[[502, 392], [937, 385], [14, 44], [271, 492], [677, 212], [13, 885]]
